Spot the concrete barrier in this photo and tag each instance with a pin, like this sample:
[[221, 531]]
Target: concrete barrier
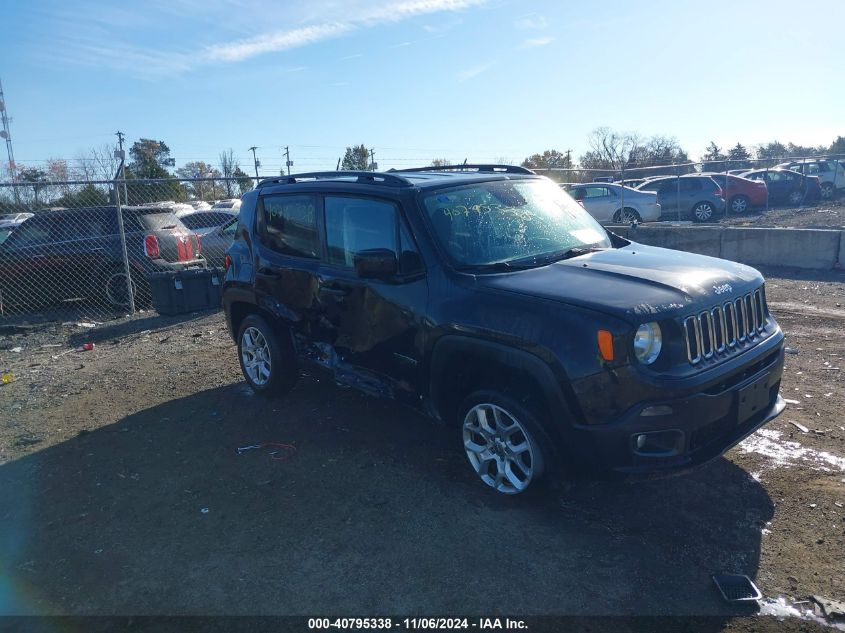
[[800, 248], [815, 249]]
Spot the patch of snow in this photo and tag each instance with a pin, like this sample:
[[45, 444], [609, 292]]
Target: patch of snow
[[785, 453]]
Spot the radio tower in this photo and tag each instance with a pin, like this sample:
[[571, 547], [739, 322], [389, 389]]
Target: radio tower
[[6, 133]]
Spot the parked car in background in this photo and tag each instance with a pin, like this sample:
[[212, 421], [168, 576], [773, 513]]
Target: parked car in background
[[199, 205], [10, 222], [610, 202], [551, 345], [787, 187], [831, 174], [632, 182], [13, 219], [697, 198], [741, 194], [72, 254], [232, 204], [216, 241], [203, 222]]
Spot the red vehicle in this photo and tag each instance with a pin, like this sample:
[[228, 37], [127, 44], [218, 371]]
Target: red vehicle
[[741, 194]]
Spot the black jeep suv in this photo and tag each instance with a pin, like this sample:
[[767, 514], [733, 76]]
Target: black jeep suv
[[487, 298]]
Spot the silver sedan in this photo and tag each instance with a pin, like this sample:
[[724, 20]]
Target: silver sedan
[[609, 202]]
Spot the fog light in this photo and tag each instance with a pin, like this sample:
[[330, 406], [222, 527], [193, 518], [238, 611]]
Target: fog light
[[658, 443]]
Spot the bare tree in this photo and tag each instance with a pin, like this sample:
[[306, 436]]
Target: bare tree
[[228, 164], [610, 149], [96, 163]]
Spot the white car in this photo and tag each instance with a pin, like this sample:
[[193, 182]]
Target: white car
[[232, 204], [831, 173], [608, 202]]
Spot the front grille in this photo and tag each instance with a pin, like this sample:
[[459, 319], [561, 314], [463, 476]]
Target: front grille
[[726, 328]]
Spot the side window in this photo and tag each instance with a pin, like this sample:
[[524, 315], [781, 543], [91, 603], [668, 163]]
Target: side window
[[690, 184], [230, 229], [597, 192], [578, 193], [288, 224], [357, 224]]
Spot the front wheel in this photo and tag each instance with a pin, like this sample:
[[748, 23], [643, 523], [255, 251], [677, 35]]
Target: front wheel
[[795, 197], [739, 204], [501, 441], [268, 361], [703, 212]]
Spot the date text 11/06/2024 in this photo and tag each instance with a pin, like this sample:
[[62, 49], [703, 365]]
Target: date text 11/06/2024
[[416, 623]]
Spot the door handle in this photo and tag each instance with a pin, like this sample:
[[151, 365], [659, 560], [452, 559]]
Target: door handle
[[335, 292]]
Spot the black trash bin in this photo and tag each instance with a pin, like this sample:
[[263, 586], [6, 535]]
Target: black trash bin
[[186, 290]]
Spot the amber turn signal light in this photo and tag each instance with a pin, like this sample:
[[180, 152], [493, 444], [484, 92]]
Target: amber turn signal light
[[605, 339]]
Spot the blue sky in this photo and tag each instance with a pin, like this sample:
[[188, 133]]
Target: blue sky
[[417, 79]]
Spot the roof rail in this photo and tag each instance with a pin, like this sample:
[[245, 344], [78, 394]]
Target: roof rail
[[507, 169], [363, 177]]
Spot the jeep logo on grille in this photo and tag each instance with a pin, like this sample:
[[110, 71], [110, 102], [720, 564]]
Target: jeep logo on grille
[[720, 290]]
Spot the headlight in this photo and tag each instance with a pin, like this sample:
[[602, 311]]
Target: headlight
[[647, 342]]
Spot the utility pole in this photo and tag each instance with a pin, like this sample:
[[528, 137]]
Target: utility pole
[[7, 134], [122, 156], [373, 163], [338, 165], [256, 161], [288, 161], [569, 158]]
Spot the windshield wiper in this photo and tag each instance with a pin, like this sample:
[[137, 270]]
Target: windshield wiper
[[544, 259]]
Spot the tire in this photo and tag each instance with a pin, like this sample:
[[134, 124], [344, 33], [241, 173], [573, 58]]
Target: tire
[[113, 288], [627, 216], [795, 197], [740, 204], [702, 211], [491, 426], [828, 191], [268, 360]]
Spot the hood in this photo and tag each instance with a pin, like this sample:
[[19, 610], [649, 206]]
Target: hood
[[633, 282]]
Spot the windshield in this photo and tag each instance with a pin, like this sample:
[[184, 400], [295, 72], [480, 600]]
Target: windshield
[[507, 221]]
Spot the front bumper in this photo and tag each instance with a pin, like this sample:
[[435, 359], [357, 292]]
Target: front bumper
[[686, 432]]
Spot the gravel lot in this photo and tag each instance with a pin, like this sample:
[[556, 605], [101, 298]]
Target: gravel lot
[[826, 215], [123, 492]]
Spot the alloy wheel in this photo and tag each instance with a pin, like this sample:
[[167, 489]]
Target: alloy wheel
[[255, 354], [628, 216], [739, 204], [703, 211], [827, 191], [500, 449], [796, 197]]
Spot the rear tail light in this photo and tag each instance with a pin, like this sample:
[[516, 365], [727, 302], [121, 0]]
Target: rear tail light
[[720, 192], [227, 261], [151, 246], [197, 244]]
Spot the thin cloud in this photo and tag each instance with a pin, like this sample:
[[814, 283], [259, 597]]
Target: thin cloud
[[471, 73], [280, 41], [531, 21], [88, 46], [536, 42]]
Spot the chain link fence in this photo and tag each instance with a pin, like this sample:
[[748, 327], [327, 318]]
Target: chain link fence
[[83, 251]]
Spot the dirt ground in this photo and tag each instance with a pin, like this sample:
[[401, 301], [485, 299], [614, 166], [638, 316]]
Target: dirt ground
[[123, 492], [825, 215]]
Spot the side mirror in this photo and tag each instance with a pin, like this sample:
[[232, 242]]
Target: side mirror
[[376, 263]]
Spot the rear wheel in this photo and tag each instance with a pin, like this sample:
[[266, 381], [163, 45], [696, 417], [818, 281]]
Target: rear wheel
[[503, 442], [268, 361], [740, 204], [828, 191], [627, 216], [116, 288], [703, 211]]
